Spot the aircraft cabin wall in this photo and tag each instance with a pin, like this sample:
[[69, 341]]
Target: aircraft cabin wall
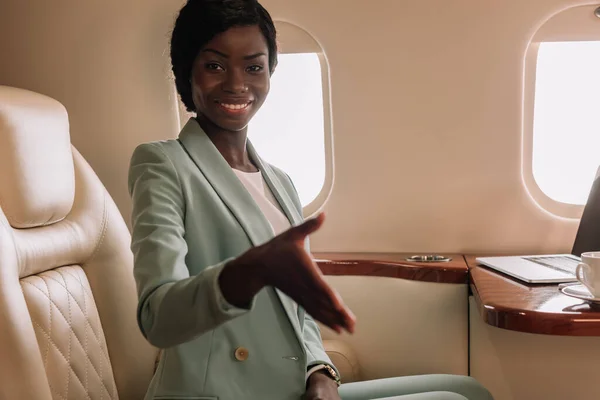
[[427, 109]]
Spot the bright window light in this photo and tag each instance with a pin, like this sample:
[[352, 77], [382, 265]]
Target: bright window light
[[288, 131], [566, 124]]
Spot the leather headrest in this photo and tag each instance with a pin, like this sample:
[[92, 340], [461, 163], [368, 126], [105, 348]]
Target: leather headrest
[[37, 178]]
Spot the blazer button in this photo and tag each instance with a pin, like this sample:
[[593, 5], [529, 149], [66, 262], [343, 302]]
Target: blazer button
[[241, 354]]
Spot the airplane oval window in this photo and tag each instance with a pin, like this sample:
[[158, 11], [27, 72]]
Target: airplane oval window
[[561, 131], [566, 132]]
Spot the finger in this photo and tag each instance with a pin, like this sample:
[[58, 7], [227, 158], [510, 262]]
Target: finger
[[327, 299], [351, 321], [311, 291], [341, 316], [332, 298], [329, 319], [349, 317], [334, 313], [306, 228], [319, 307], [344, 316]]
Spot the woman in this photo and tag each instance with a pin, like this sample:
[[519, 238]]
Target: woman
[[218, 238]]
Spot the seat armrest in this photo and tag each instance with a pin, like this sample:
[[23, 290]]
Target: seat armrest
[[344, 358]]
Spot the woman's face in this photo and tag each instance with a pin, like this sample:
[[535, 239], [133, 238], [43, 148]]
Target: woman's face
[[230, 77]]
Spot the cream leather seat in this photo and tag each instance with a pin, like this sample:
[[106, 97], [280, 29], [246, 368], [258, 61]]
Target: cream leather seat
[[67, 296]]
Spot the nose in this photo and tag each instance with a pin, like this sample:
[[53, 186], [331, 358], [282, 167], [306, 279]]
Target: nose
[[235, 81]]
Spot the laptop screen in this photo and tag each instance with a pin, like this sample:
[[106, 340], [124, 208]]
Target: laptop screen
[[588, 234]]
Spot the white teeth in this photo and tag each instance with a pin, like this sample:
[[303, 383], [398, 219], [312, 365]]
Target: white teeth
[[235, 106]]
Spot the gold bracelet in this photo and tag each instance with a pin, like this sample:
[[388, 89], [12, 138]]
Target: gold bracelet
[[331, 372]]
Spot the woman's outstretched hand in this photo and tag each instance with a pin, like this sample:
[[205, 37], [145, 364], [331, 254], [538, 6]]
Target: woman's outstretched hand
[[284, 263]]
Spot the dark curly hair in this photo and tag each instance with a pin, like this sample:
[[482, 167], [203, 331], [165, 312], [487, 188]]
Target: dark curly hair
[[201, 20]]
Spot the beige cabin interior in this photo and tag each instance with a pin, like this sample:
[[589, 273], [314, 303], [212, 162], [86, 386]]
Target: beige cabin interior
[[428, 151]]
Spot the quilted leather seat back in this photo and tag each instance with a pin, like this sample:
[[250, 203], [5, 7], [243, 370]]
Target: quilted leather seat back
[[67, 296]]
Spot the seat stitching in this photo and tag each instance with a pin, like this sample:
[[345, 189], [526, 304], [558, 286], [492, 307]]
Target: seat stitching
[[59, 352], [49, 338], [85, 329], [47, 352], [70, 326], [87, 290], [78, 278], [96, 335], [49, 295], [79, 341], [50, 277], [71, 330], [97, 248], [50, 327], [85, 348], [102, 234], [55, 392], [62, 354], [61, 313], [79, 305]]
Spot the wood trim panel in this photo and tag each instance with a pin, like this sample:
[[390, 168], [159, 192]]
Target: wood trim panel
[[505, 302], [393, 265]]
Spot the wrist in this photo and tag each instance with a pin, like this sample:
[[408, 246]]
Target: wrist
[[323, 372], [248, 267], [239, 283], [320, 378]]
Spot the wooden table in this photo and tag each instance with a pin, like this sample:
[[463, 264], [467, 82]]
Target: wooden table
[[508, 303]]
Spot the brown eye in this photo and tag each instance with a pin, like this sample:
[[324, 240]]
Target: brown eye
[[213, 67], [255, 68]]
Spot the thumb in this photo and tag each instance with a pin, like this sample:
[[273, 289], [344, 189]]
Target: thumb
[[307, 227]]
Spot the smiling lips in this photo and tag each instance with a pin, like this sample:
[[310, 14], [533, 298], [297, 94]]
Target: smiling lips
[[235, 108]]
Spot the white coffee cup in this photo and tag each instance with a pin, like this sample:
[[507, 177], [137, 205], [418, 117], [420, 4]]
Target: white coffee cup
[[588, 272]]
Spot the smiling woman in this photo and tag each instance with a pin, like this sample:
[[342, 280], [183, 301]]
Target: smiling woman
[[226, 283]]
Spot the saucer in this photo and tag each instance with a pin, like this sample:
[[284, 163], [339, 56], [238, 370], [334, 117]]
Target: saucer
[[579, 291]]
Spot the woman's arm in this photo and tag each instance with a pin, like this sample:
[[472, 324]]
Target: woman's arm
[[173, 307]]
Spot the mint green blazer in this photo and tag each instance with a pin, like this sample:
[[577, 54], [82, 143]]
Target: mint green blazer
[[190, 216]]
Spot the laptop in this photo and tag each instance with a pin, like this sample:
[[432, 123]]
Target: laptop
[[556, 268]]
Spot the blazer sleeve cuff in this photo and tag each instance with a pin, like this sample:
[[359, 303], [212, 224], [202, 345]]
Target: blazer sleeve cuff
[[314, 369]]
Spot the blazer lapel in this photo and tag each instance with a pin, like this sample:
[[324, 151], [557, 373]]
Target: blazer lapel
[[277, 189], [289, 209], [237, 199], [223, 180]]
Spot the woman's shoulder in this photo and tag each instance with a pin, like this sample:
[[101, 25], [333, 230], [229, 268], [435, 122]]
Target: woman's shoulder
[[158, 148], [156, 158]]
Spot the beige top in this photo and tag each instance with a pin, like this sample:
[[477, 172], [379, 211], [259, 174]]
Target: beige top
[[260, 192]]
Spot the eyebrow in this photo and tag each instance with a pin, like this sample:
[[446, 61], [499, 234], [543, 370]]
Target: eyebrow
[[250, 57]]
